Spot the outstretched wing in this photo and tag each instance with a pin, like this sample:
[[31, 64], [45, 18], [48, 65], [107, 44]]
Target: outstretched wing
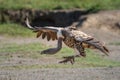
[[89, 41], [46, 32], [49, 32]]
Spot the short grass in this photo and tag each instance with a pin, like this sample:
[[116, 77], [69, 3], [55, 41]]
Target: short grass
[[30, 51], [60, 4], [11, 29]]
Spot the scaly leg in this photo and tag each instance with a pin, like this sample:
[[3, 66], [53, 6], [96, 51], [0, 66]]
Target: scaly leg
[[70, 59], [79, 50]]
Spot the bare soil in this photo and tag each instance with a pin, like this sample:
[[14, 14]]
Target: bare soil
[[62, 74]]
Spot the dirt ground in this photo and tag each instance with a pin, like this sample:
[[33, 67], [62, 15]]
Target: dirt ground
[[62, 74], [102, 33]]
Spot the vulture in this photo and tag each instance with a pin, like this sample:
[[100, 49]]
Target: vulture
[[71, 36]]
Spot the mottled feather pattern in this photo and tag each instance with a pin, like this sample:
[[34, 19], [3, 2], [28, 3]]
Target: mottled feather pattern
[[89, 41], [80, 34], [69, 41], [98, 45]]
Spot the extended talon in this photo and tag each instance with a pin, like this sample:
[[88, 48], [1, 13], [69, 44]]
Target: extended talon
[[67, 59]]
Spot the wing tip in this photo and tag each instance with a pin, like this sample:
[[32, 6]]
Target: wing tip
[[28, 23], [106, 51]]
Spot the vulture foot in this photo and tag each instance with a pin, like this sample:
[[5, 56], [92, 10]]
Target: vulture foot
[[70, 59]]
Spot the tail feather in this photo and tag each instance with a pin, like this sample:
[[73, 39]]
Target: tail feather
[[106, 49], [103, 49], [98, 45]]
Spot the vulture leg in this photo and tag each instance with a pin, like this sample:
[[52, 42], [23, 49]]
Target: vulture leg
[[79, 50], [53, 50], [70, 59]]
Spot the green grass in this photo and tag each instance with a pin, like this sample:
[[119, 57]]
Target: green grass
[[62, 4], [31, 51], [15, 30]]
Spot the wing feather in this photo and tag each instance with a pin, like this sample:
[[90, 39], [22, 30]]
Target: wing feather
[[49, 32], [48, 36], [98, 45], [54, 36], [39, 34], [44, 35], [89, 41]]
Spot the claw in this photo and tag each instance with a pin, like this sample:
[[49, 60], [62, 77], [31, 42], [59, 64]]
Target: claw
[[70, 59]]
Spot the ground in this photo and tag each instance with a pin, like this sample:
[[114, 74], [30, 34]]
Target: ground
[[62, 74], [110, 37]]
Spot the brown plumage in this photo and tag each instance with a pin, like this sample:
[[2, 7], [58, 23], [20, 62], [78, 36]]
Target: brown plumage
[[72, 37]]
